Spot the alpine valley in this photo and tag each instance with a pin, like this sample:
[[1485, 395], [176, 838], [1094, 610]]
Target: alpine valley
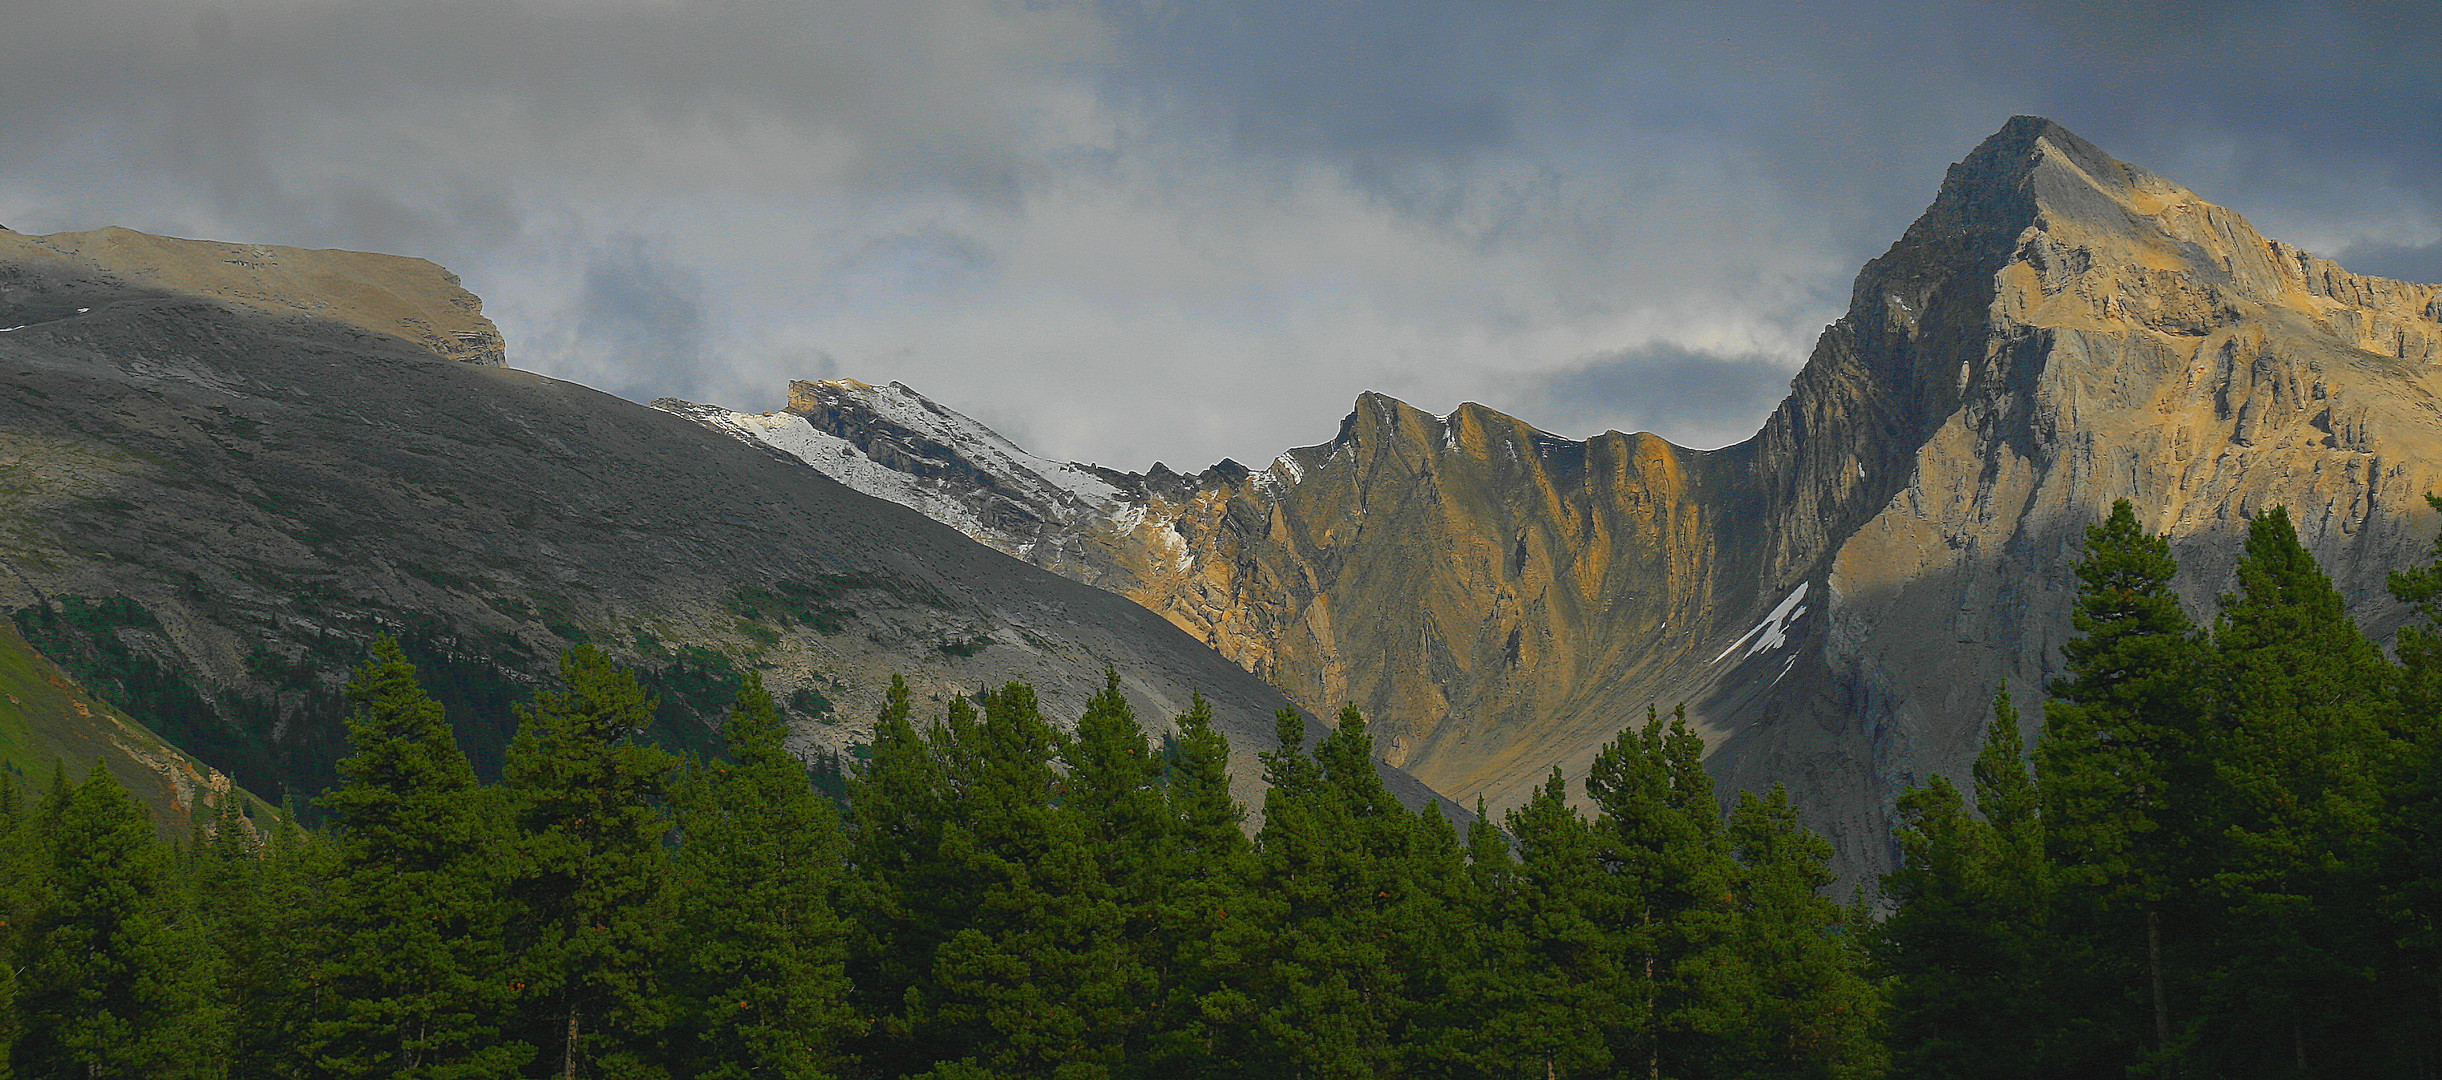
[[1835, 599]]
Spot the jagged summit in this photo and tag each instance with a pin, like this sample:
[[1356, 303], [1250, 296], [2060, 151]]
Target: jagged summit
[[1836, 597], [2027, 150]]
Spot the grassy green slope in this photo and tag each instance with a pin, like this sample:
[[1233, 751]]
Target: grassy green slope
[[46, 718]]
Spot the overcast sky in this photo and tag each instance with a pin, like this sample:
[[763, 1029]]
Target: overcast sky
[[1175, 229]]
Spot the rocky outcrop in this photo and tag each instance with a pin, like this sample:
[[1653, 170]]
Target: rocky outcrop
[[1498, 599], [1836, 598], [2061, 330], [405, 298]]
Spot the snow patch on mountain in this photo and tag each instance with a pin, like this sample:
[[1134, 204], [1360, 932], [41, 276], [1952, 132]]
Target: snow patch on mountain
[[1773, 632], [928, 458], [983, 448], [834, 457]]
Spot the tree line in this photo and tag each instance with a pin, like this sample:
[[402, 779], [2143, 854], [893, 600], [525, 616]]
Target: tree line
[[2217, 859], [999, 897]]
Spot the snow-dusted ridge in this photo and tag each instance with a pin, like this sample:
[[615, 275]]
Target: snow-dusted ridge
[[986, 449], [924, 456]]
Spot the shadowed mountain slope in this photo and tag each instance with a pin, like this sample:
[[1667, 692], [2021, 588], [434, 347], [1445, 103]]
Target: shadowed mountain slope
[[217, 503]]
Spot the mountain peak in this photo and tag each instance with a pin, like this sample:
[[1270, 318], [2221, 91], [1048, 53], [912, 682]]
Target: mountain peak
[[2031, 167], [2017, 150]]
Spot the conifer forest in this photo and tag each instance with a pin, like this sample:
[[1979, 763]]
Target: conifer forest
[[2208, 849]]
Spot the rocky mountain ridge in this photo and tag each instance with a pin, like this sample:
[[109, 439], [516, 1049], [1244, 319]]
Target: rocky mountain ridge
[[1837, 597], [210, 501]]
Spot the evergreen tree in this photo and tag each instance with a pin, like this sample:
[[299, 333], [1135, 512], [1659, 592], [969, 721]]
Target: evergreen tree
[[1202, 872], [2413, 830], [1937, 945], [117, 977], [901, 898], [1662, 834], [19, 869], [2122, 781], [1809, 1010], [1357, 893], [2298, 746], [1039, 977], [589, 872], [1966, 942], [266, 908], [412, 942], [758, 949], [1553, 981], [1113, 790]]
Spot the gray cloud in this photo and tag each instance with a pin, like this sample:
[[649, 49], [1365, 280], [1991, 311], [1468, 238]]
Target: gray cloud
[[1184, 229], [2405, 262], [638, 305], [1692, 398]]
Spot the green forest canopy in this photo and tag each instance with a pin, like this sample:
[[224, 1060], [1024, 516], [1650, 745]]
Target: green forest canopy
[[2216, 859]]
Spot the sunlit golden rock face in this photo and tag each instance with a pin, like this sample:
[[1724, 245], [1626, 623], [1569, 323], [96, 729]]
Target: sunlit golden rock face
[[1836, 598]]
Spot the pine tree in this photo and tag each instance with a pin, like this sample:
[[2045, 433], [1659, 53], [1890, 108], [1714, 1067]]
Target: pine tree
[[1661, 829], [1202, 873], [589, 871], [266, 907], [19, 869], [117, 976], [2413, 830], [1937, 944], [1810, 1008], [1358, 891], [1039, 978], [2122, 779], [900, 897], [1965, 945], [758, 950], [2014, 877], [1113, 790], [1553, 982], [2298, 747], [413, 937]]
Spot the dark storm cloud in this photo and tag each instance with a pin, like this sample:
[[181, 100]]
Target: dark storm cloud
[[2406, 262], [1185, 228], [1841, 104]]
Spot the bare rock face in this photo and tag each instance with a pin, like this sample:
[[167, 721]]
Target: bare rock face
[[2061, 330], [1497, 599], [1837, 598]]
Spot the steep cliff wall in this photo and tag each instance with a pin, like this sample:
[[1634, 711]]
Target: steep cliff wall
[[2073, 330]]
